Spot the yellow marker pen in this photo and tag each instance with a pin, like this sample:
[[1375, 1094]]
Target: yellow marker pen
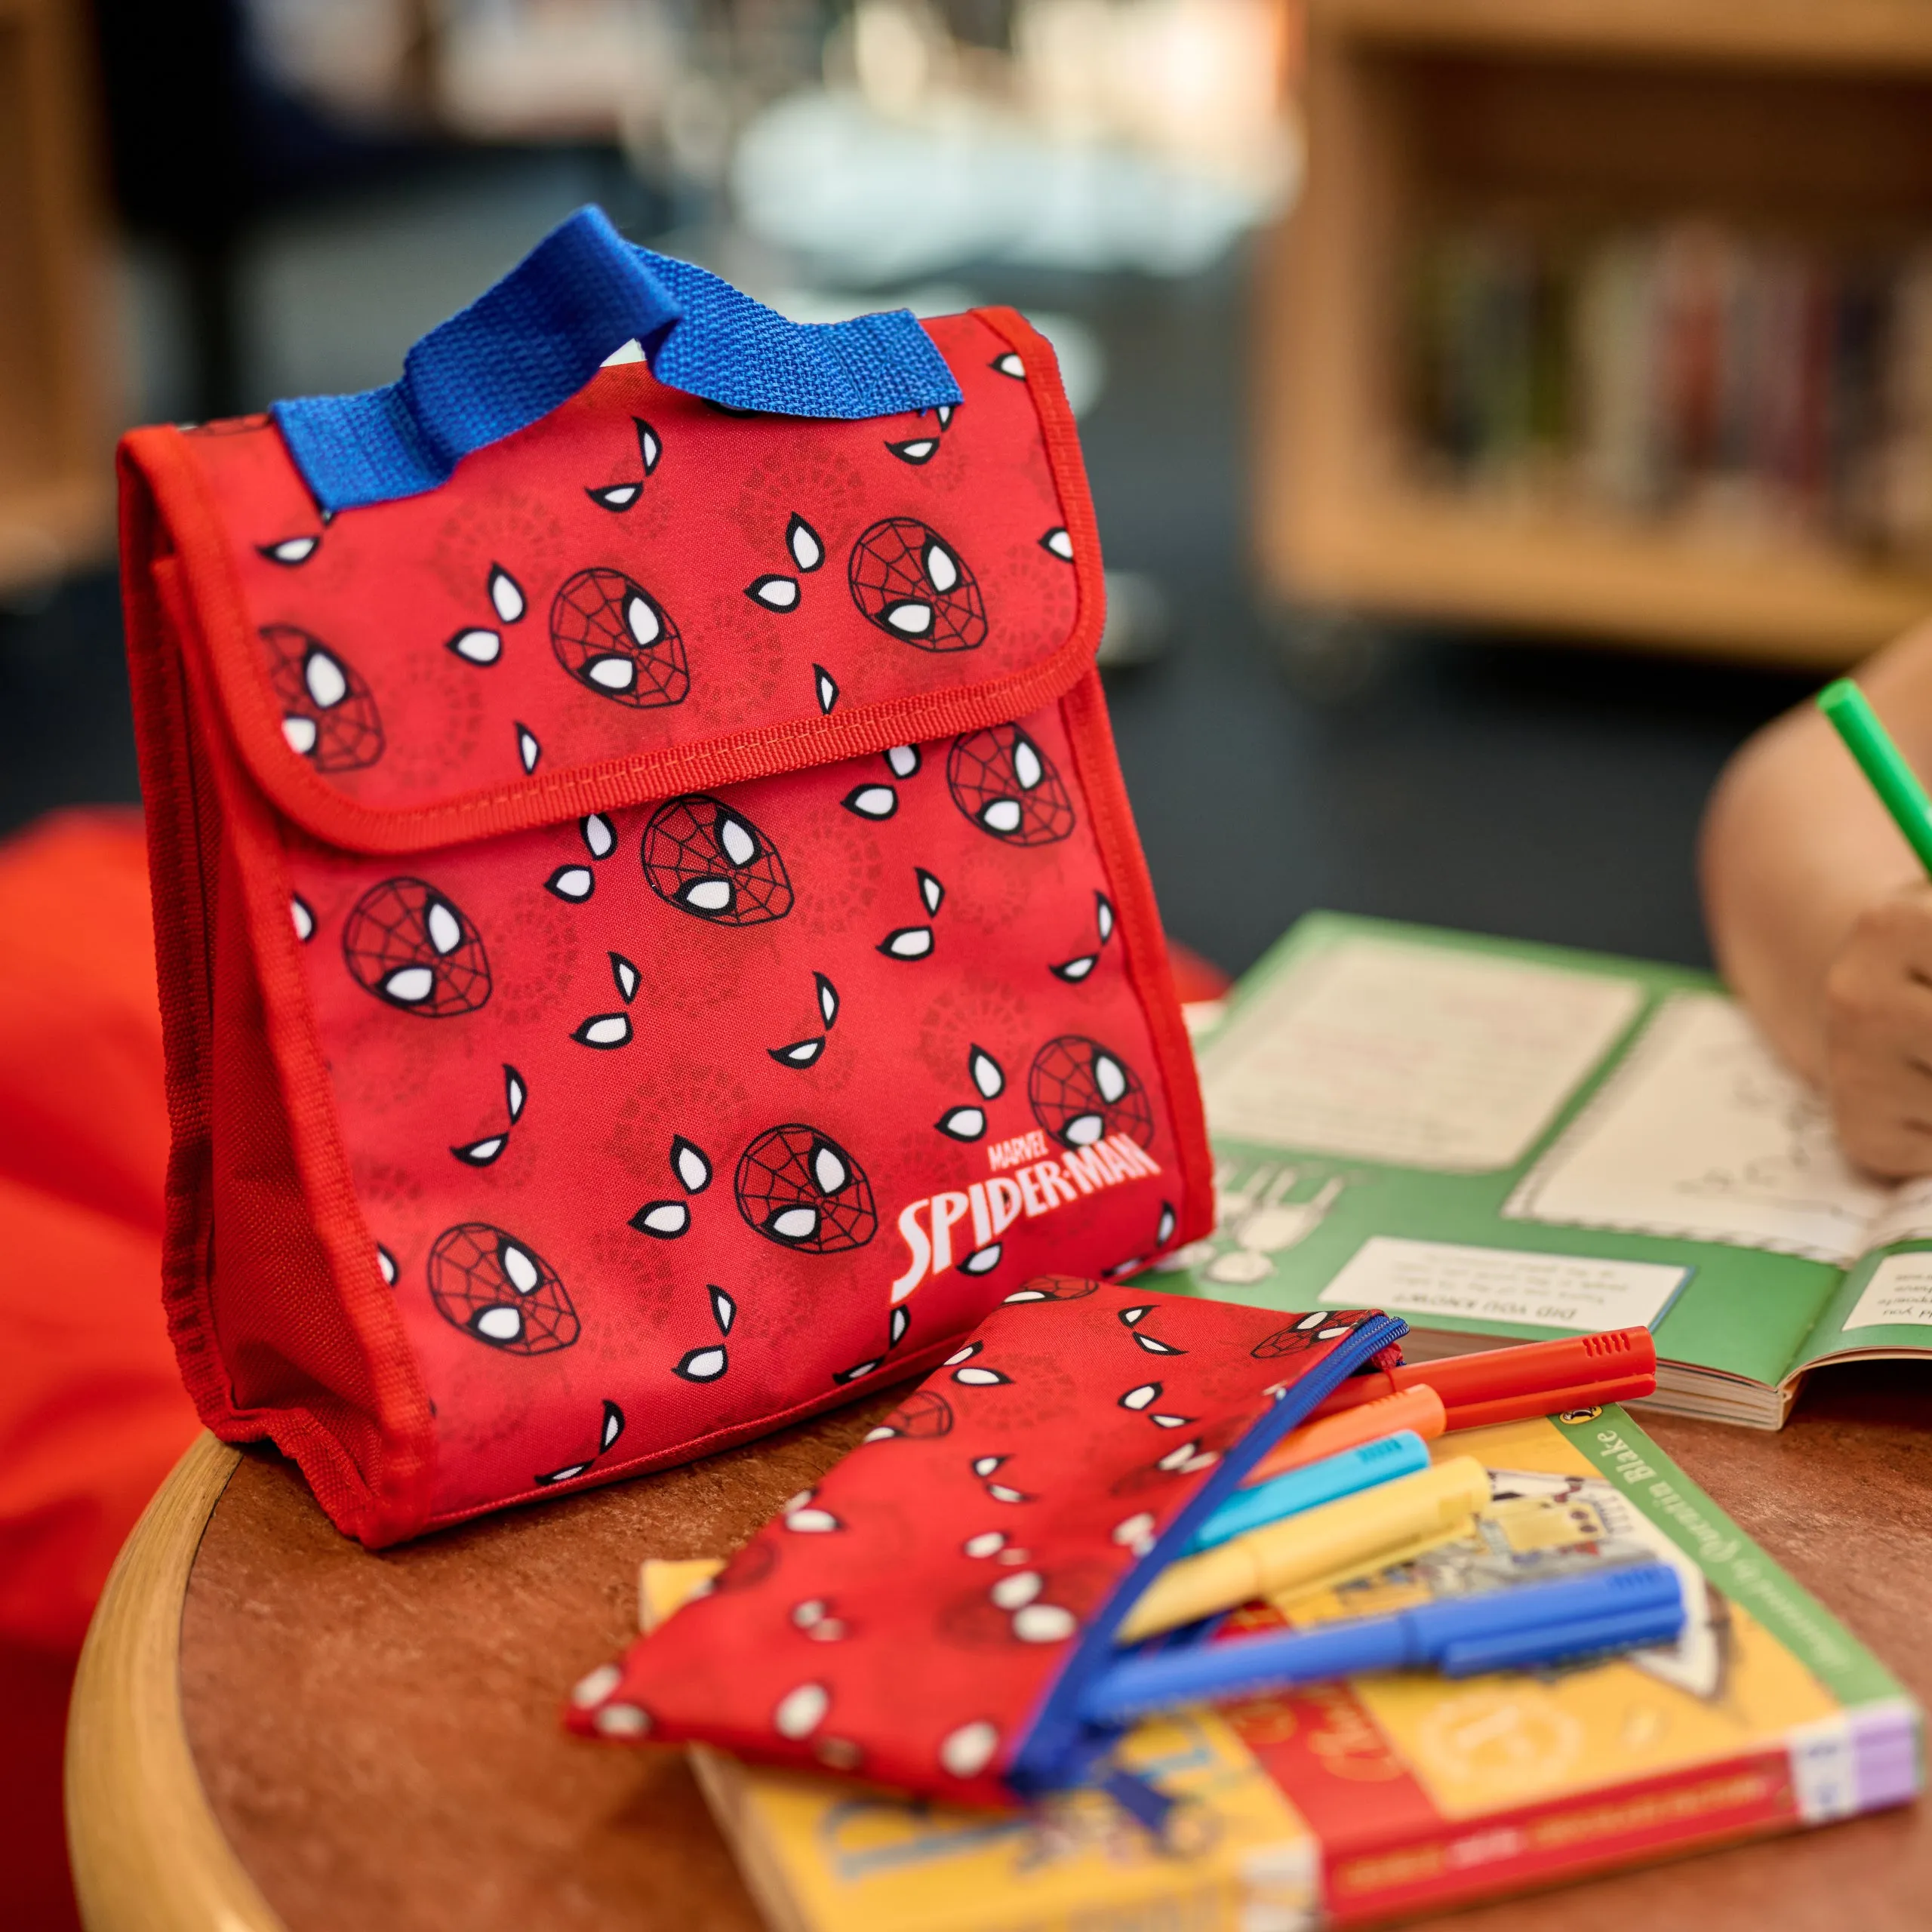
[[1302, 1550], [1330, 1580]]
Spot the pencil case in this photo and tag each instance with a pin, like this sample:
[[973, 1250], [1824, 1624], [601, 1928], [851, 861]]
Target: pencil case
[[651, 937], [928, 1616]]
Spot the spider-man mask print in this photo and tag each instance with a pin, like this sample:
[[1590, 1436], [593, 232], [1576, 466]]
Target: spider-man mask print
[[802, 1190], [411, 946], [328, 714], [924, 1413], [1081, 1092], [493, 1287], [911, 583], [1309, 1331], [707, 858], [616, 639], [1007, 786]]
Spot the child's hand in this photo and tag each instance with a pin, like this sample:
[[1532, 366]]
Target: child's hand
[[1877, 1024]]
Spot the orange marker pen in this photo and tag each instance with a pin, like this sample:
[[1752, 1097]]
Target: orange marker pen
[[1420, 1408]]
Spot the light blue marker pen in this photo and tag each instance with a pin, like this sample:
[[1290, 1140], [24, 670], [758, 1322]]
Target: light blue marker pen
[[1365, 1466]]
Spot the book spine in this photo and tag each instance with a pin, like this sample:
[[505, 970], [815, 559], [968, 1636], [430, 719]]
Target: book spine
[[1758, 385], [1520, 1850], [1387, 1848], [1853, 1761]]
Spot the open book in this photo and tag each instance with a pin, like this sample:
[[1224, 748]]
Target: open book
[[1499, 1141]]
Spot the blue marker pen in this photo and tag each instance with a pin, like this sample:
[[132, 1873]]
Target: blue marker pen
[[1518, 1628], [1343, 1474]]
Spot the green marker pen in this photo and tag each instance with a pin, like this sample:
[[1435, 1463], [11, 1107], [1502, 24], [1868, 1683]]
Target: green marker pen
[[1881, 761]]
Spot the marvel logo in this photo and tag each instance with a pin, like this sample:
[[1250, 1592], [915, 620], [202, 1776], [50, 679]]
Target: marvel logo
[[1005, 1154]]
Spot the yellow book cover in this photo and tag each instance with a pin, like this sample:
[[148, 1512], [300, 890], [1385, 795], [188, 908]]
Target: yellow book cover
[[826, 1855]]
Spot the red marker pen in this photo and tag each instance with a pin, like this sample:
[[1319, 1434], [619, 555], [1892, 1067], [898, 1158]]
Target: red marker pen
[[1534, 1379]]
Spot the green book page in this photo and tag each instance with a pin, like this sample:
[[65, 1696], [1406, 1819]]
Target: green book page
[[1523, 1151], [1883, 1306]]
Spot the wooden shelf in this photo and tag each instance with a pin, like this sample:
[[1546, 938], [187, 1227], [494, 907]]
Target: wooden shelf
[[1819, 117], [56, 474], [1839, 36], [53, 527], [1407, 551]]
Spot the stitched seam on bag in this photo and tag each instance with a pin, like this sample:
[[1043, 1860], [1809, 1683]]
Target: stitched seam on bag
[[178, 902], [1144, 947], [1083, 709], [394, 1498], [399, 1490], [797, 744], [331, 1471], [183, 810]]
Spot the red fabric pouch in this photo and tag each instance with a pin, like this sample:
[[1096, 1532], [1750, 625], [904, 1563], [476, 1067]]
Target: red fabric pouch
[[929, 1616], [651, 932]]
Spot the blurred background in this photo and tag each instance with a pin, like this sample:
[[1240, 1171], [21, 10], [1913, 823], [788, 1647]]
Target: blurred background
[[1494, 411]]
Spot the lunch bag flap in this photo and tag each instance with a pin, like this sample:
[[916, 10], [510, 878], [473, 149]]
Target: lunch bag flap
[[639, 593]]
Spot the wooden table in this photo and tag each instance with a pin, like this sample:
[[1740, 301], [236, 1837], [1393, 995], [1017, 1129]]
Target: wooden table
[[377, 1736]]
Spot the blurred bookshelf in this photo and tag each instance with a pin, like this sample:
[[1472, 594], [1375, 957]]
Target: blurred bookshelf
[[55, 480], [1610, 319]]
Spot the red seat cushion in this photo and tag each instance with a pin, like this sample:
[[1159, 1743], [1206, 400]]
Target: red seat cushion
[[92, 1411]]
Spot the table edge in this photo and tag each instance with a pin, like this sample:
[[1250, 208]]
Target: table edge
[[147, 1851]]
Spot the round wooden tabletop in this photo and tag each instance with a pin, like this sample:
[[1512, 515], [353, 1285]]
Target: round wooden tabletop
[[275, 1730]]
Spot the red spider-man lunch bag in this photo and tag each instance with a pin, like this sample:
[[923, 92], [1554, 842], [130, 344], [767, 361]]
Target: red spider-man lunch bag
[[652, 941]]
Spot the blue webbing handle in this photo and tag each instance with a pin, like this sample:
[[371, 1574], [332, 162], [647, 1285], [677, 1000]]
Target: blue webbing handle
[[534, 340]]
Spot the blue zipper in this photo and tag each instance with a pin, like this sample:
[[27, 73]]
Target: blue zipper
[[1061, 1748]]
